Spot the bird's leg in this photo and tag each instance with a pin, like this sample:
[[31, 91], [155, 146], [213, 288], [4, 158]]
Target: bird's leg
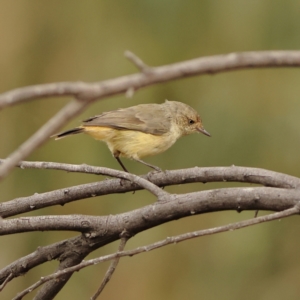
[[116, 155], [121, 164], [149, 165]]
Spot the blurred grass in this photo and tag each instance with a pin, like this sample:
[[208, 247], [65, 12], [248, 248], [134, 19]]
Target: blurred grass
[[253, 116]]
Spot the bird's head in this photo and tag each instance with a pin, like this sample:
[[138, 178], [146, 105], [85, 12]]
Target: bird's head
[[187, 119]]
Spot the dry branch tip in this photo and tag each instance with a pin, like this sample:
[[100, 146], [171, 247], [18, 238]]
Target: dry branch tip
[[137, 61]]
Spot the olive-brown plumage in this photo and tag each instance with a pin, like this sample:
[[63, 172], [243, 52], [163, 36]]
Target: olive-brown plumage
[[141, 130]]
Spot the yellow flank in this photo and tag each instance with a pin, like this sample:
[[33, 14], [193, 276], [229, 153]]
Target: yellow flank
[[130, 143]]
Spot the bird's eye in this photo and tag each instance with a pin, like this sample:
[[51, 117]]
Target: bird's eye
[[191, 121]]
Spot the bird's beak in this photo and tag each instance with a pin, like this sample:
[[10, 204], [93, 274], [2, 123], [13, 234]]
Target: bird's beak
[[202, 130]]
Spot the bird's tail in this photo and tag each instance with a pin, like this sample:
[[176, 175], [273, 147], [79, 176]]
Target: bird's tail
[[68, 132]]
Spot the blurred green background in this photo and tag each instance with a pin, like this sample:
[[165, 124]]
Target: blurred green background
[[253, 116]]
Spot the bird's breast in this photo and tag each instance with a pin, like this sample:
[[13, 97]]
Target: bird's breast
[[133, 144]]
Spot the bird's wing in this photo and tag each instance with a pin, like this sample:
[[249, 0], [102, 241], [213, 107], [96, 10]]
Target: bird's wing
[[148, 118]]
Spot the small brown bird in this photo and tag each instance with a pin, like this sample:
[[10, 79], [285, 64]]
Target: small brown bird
[[141, 130]]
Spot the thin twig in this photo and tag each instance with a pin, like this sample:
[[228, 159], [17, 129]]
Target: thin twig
[[137, 61], [8, 278], [169, 240], [111, 268]]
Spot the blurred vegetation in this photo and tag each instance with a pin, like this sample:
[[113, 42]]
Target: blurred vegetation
[[253, 116]]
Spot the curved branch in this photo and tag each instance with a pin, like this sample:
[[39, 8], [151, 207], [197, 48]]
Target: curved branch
[[84, 168], [173, 208], [174, 177], [202, 65], [189, 175]]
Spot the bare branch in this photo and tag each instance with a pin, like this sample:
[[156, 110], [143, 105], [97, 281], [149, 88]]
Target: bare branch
[[203, 65], [192, 175], [188, 175], [28, 93], [79, 223], [51, 288], [60, 250], [172, 208], [106, 229], [170, 240], [84, 168], [179, 206], [111, 268]]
